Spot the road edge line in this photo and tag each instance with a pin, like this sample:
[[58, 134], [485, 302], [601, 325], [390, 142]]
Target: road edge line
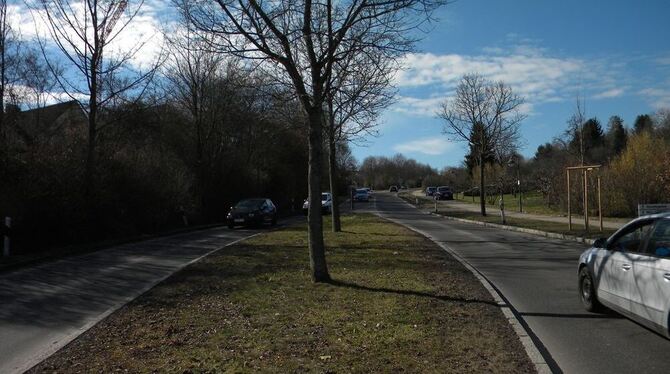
[[56, 346], [532, 350]]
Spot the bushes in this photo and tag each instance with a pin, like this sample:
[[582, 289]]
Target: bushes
[[638, 176]]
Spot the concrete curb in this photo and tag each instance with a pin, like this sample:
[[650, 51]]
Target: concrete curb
[[57, 345], [532, 350], [546, 234]]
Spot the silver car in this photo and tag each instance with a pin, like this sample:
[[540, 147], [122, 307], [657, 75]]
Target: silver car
[[630, 272]]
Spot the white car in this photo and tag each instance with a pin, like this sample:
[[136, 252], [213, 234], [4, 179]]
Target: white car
[[630, 272], [326, 203]]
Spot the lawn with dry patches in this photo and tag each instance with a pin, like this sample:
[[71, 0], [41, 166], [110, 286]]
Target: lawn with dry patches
[[397, 303]]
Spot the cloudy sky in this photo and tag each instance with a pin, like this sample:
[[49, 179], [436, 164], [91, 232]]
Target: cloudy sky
[[613, 53]]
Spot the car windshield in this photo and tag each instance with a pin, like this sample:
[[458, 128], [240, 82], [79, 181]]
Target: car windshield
[[431, 188], [443, 189], [362, 190], [324, 197], [249, 203]]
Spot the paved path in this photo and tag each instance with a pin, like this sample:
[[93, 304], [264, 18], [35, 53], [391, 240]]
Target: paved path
[[538, 277], [44, 307], [510, 212]]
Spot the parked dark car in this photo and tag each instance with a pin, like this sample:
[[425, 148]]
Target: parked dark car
[[430, 191], [252, 212], [443, 193], [393, 189], [362, 195]]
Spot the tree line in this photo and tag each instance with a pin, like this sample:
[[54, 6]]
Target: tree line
[[247, 99]]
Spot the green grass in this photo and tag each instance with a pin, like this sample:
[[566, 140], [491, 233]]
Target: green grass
[[494, 217], [397, 303], [560, 228], [532, 202]]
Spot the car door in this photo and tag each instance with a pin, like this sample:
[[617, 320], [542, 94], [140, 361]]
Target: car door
[[624, 250], [650, 294]]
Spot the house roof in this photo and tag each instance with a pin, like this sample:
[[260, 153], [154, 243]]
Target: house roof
[[48, 115]]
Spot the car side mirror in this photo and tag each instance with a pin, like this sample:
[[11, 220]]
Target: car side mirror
[[600, 243]]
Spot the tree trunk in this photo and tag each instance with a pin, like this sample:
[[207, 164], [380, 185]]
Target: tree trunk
[[90, 149], [482, 190], [332, 170], [317, 253]]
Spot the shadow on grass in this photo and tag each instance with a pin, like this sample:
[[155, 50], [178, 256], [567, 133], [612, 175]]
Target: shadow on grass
[[355, 286]]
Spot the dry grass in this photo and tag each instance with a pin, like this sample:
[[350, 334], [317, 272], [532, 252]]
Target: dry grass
[[398, 303]]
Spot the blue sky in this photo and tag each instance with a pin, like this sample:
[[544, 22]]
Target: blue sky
[[614, 54]]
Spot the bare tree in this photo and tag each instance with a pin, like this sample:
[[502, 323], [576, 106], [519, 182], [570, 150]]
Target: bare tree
[[576, 127], [8, 56], [486, 115], [304, 40], [192, 74], [360, 92], [83, 30]]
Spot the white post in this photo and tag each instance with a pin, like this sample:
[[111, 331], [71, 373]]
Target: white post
[[8, 224]]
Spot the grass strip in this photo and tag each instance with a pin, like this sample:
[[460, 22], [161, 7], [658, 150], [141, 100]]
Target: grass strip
[[494, 217], [397, 303]]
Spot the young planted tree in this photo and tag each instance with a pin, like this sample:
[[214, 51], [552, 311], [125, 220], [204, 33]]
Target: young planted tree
[[83, 31], [303, 41], [486, 115]]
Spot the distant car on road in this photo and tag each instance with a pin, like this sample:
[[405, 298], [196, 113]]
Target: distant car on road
[[393, 189], [443, 193], [630, 272], [326, 203], [252, 212], [362, 195], [430, 191]]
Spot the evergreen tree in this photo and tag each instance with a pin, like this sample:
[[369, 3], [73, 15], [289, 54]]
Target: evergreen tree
[[643, 123], [617, 136], [594, 141]]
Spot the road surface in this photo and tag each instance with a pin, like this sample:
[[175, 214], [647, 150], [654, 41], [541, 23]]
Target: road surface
[[538, 277], [44, 307]]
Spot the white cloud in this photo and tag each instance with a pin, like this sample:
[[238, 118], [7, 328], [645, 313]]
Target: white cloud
[[614, 92], [417, 106], [143, 32], [532, 72], [659, 97], [428, 146]]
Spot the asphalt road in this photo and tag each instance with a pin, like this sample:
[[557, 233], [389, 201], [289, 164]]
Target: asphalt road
[[44, 307], [538, 277]]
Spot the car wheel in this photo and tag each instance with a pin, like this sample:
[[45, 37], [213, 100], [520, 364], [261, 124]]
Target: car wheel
[[587, 291], [274, 221]]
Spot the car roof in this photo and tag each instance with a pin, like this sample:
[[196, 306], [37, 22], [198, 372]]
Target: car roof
[[653, 216]]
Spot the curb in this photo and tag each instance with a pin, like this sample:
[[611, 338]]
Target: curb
[[84, 248], [546, 234], [57, 345], [528, 340]]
